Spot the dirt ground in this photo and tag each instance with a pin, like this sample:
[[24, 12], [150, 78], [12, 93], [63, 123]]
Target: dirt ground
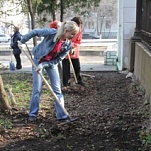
[[112, 117]]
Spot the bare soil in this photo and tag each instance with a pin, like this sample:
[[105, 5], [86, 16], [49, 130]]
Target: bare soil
[[112, 117]]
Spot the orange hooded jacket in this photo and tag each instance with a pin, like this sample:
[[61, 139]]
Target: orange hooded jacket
[[76, 41]]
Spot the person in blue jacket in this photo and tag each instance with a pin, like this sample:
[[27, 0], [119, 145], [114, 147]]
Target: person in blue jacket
[[47, 54], [14, 45]]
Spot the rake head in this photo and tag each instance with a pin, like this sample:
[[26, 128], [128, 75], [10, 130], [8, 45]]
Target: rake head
[[67, 121]]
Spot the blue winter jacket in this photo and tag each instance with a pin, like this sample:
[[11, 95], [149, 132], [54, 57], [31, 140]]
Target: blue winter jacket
[[14, 45], [43, 48]]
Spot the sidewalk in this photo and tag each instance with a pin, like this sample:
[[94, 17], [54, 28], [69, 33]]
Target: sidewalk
[[88, 63]]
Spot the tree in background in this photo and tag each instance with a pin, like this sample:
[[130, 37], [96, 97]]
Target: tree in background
[[47, 11], [99, 15], [32, 8], [4, 104], [40, 12], [106, 9], [59, 8]]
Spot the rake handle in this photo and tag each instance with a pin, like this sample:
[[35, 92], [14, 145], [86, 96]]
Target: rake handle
[[72, 69], [46, 82]]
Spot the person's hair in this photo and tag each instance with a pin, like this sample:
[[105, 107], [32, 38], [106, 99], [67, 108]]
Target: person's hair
[[78, 20], [69, 26], [16, 28]]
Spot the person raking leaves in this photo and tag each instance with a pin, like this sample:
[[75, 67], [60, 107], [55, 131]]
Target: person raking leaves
[[47, 54]]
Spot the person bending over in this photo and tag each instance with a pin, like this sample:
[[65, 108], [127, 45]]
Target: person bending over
[[47, 54]]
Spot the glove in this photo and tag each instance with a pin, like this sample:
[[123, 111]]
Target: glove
[[72, 51], [21, 45], [43, 65]]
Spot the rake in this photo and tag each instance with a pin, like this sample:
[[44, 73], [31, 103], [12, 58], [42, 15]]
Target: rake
[[69, 119], [75, 78]]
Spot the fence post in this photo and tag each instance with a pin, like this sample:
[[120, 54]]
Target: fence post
[[137, 33]]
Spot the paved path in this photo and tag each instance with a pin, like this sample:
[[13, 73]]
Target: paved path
[[88, 63]]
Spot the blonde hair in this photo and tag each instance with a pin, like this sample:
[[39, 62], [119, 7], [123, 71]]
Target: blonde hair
[[69, 26]]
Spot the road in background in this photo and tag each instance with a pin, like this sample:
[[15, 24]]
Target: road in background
[[88, 62]]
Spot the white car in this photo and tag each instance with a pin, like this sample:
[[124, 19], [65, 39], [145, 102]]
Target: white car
[[4, 38]]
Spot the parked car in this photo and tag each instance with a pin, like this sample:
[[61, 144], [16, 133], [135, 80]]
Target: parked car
[[5, 38], [88, 36]]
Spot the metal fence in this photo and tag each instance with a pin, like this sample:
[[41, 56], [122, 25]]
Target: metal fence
[[146, 22]]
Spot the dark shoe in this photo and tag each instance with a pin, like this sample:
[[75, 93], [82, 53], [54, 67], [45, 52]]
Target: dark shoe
[[65, 85], [81, 83], [31, 118], [65, 88]]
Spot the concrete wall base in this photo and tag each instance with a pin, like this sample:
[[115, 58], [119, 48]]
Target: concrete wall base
[[142, 67]]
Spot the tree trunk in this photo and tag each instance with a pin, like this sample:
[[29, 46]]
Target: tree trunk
[[4, 104], [53, 16], [61, 10], [53, 11], [32, 16]]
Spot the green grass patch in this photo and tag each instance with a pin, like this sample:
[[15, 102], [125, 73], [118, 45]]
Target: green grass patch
[[21, 86], [6, 123]]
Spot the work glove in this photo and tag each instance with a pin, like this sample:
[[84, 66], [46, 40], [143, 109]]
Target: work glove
[[21, 45], [44, 65], [72, 51]]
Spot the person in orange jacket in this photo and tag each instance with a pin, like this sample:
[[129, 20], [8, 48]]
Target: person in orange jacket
[[74, 55], [55, 24]]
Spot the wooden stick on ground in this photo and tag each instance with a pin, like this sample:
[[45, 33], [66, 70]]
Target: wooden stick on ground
[[12, 96], [87, 75]]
